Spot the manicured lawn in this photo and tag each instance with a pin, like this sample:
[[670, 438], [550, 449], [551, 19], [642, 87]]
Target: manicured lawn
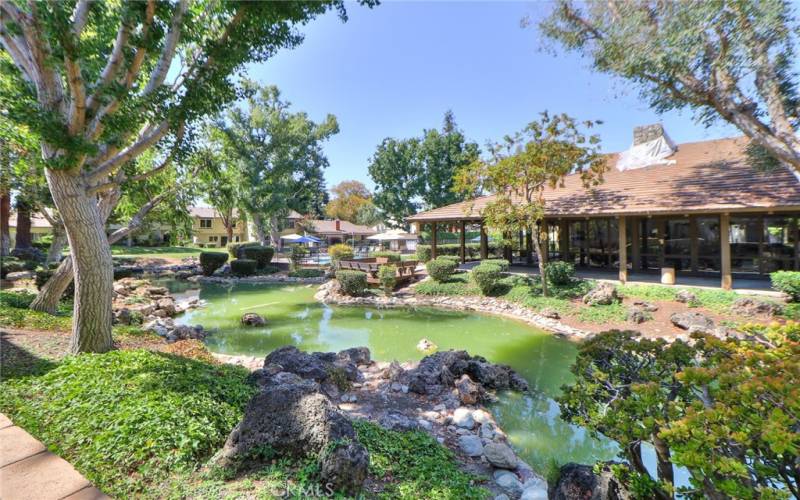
[[156, 252]]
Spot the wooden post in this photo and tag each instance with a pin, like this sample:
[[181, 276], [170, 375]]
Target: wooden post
[[725, 251], [636, 244], [484, 242], [463, 242], [563, 240], [623, 249], [694, 244], [529, 246], [434, 237]]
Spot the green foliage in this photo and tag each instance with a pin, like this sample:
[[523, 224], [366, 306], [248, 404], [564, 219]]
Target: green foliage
[[340, 251], [125, 419], [243, 267], [262, 255], [349, 198], [14, 313], [415, 465], [11, 265], [458, 284], [19, 299], [307, 273], [296, 256], [503, 264], [487, 276], [600, 314], [787, 282], [560, 273], [387, 275], [440, 269], [391, 256], [353, 282], [452, 258], [211, 261], [424, 253]]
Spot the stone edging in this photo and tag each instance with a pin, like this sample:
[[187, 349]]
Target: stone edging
[[272, 278], [328, 294]]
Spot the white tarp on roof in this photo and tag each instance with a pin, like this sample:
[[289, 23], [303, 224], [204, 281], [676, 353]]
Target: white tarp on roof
[[653, 152]]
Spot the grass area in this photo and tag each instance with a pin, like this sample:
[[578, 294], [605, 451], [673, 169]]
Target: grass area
[[14, 313], [156, 252], [458, 284]]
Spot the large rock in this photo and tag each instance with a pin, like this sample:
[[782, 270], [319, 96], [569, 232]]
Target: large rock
[[468, 391], [692, 321], [751, 306], [636, 314], [471, 445], [580, 482], [167, 305], [500, 455], [252, 319], [685, 296], [317, 366], [440, 371], [602, 294], [292, 417]]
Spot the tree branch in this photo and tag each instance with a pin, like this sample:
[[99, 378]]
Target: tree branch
[[71, 42], [147, 137], [168, 52]]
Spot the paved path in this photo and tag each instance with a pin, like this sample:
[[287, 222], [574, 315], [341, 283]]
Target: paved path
[[28, 471]]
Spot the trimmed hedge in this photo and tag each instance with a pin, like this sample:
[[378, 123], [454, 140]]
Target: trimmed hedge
[[472, 250], [243, 267], [211, 261], [262, 255], [340, 251], [440, 269], [352, 282], [502, 263], [787, 282], [307, 273], [487, 276], [560, 273], [234, 249], [452, 258], [392, 256], [387, 275]]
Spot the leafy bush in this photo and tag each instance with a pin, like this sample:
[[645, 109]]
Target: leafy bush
[[243, 267], [307, 273], [458, 284], [502, 263], [262, 255], [560, 273], [297, 254], [211, 261], [387, 275], [127, 419], [440, 269], [11, 265], [391, 256], [43, 275], [340, 251], [269, 269], [424, 253], [235, 249], [487, 276], [20, 299], [122, 272], [787, 282], [452, 258], [352, 282]]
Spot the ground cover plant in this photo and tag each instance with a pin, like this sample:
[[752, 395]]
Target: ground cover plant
[[135, 252], [307, 273]]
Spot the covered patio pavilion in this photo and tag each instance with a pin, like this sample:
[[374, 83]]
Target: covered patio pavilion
[[703, 213]]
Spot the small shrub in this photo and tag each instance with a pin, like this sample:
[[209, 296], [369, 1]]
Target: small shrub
[[18, 299], [423, 253], [243, 267], [560, 273], [502, 263], [787, 282], [487, 276], [387, 275], [297, 254], [262, 255], [440, 269], [307, 273], [211, 261], [452, 258], [340, 251], [122, 272], [11, 265], [352, 282], [391, 256], [235, 249], [269, 270]]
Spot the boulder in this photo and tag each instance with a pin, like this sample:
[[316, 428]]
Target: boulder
[[509, 482], [393, 371], [751, 306], [20, 275], [602, 294], [357, 355], [685, 296], [167, 305], [426, 345], [645, 306], [440, 370], [252, 319], [319, 366], [156, 291], [580, 481], [468, 391], [462, 417], [549, 312], [636, 314], [692, 321], [471, 445], [123, 316], [500, 455], [396, 421], [292, 417]]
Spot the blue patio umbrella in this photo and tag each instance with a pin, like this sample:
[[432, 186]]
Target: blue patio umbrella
[[306, 239]]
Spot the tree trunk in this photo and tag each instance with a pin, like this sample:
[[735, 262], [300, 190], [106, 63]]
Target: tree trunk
[[24, 237], [542, 268], [258, 224], [664, 460], [274, 234], [91, 258], [229, 231], [57, 245], [48, 297], [5, 215]]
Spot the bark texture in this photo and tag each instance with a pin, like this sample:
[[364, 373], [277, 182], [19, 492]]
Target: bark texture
[[5, 231], [24, 237], [57, 245], [47, 299]]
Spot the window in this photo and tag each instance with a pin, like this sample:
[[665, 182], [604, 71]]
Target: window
[[745, 238], [212, 238], [205, 223]]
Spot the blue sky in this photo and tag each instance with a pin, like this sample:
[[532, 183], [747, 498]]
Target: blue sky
[[394, 70]]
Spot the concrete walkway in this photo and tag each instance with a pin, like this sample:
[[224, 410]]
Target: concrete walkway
[[28, 470]]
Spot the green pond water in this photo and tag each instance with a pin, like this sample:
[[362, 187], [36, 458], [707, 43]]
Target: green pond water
[[294, 317]]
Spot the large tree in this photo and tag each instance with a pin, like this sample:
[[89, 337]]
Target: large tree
[[523, 165], [276, 156], [349, 197], [113, 79], [418, 172], [722, 59]]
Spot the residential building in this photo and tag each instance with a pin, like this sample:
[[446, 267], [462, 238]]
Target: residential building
[[208, 230], [698, 208], [40, 227], [336, 231]]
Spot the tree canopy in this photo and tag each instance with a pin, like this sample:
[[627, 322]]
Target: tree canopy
[[349, 198], [722, 59]]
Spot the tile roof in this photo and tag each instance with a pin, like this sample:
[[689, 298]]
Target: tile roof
[[708, 176], [37, 220], [211, 213], [345, 227]]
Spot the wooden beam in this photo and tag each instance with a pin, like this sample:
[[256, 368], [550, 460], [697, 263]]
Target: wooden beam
[[434, 237], [463, 242], [623, 250], [725, 251], [484, 242], [563, 240]]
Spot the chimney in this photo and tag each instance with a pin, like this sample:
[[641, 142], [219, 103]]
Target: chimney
[[647, 133], [338, 225]]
